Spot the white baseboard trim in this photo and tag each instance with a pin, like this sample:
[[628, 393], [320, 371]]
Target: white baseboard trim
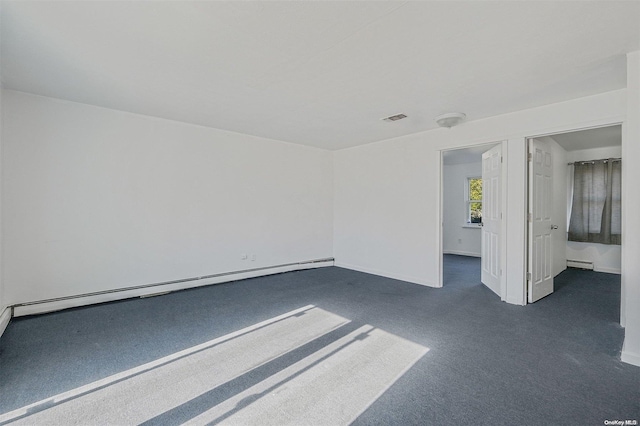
[[617, 271], [385, 274], [630, 358], [5, 317], [45, 306], [462, 253]]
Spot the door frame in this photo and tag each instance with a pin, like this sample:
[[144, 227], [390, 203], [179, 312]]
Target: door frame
[[616, 121], [516, 217], [503, 207]]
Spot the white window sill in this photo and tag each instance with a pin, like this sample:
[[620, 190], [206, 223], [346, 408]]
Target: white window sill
[[472, 225]]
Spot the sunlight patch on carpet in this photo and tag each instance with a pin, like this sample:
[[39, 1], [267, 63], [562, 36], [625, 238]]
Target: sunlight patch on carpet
[[333, 385]]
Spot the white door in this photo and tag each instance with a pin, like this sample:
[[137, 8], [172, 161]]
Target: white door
[[491, 217], [540, 276]]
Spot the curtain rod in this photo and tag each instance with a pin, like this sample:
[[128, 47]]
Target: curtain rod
[[593, 161]]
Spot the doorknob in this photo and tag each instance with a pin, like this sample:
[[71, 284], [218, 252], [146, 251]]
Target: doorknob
[[554, 227]]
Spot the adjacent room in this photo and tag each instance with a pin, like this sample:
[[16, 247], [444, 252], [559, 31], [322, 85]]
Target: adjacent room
[[586, 191], [322, 213], [585, 148], [462, 215], [582, 245]]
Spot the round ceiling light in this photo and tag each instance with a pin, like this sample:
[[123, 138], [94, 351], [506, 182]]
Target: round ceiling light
[[450, 119]]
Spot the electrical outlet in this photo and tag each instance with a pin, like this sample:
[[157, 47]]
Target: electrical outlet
[[253, 257], [243, 256]]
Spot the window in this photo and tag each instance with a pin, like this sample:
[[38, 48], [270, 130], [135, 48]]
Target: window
[[596, 213], [474, 200]]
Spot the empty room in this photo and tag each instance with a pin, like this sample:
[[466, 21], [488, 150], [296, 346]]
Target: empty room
[[319, 212]]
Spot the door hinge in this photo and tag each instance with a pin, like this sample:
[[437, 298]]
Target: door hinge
[[530, 156], [529, 217], [500, 272], [528, 276], [501, 159]]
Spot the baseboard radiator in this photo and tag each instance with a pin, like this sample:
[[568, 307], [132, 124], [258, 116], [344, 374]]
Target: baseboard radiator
[[580, 264], [155, 289]]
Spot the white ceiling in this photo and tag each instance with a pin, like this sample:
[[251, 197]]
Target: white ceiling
[[317, 73], [590, 138]]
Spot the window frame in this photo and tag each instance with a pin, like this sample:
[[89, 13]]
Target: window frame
[[469, 201]]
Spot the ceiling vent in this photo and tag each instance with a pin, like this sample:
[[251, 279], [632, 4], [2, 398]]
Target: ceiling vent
[[395, 117]]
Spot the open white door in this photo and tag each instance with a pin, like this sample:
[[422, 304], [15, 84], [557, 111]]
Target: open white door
[[540, 276], [491, 217]]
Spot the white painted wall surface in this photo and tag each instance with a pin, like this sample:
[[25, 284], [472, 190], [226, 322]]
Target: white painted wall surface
[[605, 258], [385, 194], [4, 312], [386, 198], [97, 199], [3, 303], [630, 309], [458, 237], [594, 153]]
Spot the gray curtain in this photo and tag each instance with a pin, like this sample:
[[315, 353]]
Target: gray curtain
[[596, 214]]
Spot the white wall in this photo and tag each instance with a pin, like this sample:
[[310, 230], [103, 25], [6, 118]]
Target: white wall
[[97, 199], [605, 258], [386, 198], [5, 314], [385, 194], [630, 309], [3, 304], [559, 212], [458, 236], [594, 153]]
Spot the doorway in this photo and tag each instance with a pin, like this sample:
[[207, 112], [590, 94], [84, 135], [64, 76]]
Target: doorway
[[471, 216], [566, 150]]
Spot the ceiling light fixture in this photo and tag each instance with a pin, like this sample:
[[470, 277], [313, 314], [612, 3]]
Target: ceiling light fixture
[[450, 119]]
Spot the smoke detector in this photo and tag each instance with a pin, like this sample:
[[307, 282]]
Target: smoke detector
[[395, 117], [450, 119]]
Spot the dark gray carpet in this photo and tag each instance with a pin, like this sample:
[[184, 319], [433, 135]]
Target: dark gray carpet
[[552, 362]]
